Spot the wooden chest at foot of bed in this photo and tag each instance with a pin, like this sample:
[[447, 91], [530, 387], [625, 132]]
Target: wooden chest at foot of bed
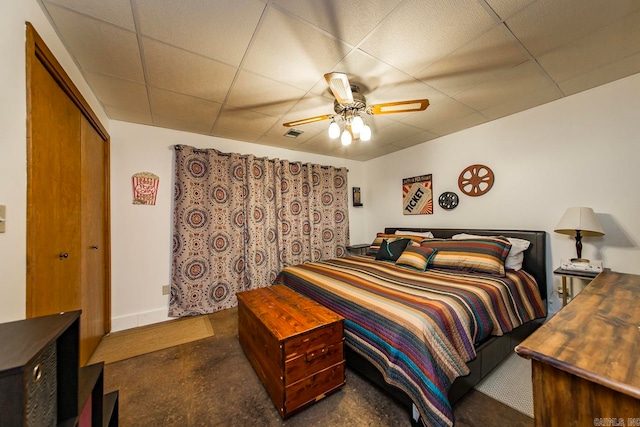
[[294, 344]]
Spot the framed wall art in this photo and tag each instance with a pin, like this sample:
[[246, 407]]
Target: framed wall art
[[145, 188], [417, 195]]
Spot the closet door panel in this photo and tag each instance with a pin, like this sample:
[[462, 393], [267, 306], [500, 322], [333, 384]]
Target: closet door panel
[[94, 247], [53, 211]]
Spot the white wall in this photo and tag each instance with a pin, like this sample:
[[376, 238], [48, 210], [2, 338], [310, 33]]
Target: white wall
[[141, 235], [583, 150], [13, 148]]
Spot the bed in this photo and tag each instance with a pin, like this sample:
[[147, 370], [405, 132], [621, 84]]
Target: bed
[[429, 336]]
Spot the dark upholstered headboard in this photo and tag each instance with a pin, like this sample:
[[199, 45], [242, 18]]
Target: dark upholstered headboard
[[534, 257]]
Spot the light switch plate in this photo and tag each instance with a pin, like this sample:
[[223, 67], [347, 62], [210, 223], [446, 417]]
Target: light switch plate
[[3, 214]]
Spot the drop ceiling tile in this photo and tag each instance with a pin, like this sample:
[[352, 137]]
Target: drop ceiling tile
[[506, 8], [182, 107], [235, 134], [564, 21], [418, 32], [603, 75], [320, 144], [244, 120], [140, 117], [516, 82], [182, 125], [393, 132], [180, 71], [459, 124], [220, 29], [97, 46], [290, 50], [477, 61], [337, 17], [116, 12], [131, 96], [523, 102], [287, 143], [263, 95], [416, 139], [605, 46]]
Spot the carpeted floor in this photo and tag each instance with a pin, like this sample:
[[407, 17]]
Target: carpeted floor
[[510, 383], [209, 382]]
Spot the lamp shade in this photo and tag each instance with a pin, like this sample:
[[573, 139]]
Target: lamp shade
[[579, 219]]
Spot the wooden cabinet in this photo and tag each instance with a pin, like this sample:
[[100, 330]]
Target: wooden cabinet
[[40, 381], [294, 344], [67, 200], [584, 359]]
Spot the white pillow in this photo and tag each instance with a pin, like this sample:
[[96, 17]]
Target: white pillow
[[416, 233], [516, 253]]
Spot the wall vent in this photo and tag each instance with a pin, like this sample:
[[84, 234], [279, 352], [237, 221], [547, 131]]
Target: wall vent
[[293, 133]]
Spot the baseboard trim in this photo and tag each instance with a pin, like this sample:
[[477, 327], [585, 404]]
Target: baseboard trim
[[140, 319]]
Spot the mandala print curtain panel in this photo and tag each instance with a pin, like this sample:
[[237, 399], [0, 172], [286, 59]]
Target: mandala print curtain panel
[[238, 220]]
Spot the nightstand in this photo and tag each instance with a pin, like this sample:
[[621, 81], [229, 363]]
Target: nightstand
[[573, 274], [360, 249]]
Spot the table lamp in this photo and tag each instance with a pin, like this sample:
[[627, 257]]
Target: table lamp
[[579, 222]]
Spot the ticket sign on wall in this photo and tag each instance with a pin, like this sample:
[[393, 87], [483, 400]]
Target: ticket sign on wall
[[145, 188], [417, 195]]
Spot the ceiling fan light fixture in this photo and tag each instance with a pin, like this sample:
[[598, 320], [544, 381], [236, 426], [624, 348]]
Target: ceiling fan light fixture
[[365, 133], [346, 138], [334, 129], [357, 124]]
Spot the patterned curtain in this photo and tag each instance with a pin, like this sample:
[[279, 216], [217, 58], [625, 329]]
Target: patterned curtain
[[238, 220]]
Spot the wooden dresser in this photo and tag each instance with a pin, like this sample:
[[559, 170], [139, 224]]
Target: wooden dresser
[[586, 359], [294, 344]]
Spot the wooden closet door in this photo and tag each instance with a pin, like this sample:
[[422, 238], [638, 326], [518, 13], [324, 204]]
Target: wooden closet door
[[53, 201], [68, 244], [93, 248]]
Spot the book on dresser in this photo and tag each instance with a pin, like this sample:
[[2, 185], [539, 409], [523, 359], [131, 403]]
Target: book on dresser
[[41, 382]]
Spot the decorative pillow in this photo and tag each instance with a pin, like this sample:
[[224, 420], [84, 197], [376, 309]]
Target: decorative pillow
[[391, 251], [482, 255], [416, 256], [516, 254], [373, 248], [416, 233]]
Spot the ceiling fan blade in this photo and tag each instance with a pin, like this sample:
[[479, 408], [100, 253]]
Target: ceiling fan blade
[[340, 86], [399, 107], [308, 120]]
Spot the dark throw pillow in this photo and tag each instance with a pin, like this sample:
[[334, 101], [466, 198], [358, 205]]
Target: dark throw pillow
[[391, 251]]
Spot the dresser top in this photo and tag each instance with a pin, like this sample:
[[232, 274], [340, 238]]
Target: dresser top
[[596, 336]]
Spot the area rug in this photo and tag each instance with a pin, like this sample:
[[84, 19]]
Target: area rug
[[510, 383], [146, 339]]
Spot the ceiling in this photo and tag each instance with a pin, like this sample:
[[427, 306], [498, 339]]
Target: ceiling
[[239, 69]]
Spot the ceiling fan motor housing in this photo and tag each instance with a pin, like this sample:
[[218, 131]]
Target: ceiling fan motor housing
[[359, 102]]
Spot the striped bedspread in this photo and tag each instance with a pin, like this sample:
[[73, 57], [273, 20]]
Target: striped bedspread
[[417, 328]]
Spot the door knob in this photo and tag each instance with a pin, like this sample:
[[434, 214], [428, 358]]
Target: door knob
[[64, 255], [94, 247]]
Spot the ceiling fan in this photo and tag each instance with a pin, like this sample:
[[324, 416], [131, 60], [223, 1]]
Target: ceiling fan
[[349, 104]]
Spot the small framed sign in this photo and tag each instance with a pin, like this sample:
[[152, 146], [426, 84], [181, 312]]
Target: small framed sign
[[357, 201]]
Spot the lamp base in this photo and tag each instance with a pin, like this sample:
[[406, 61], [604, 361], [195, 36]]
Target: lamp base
[[579, 261]]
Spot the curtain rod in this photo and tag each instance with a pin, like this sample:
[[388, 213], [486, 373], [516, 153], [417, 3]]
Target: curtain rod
[[179, 147]]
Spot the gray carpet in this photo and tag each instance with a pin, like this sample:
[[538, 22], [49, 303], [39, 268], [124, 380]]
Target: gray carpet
[[210, 383]]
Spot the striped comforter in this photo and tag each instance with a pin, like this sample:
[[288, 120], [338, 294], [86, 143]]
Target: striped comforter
[[417, 328]]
